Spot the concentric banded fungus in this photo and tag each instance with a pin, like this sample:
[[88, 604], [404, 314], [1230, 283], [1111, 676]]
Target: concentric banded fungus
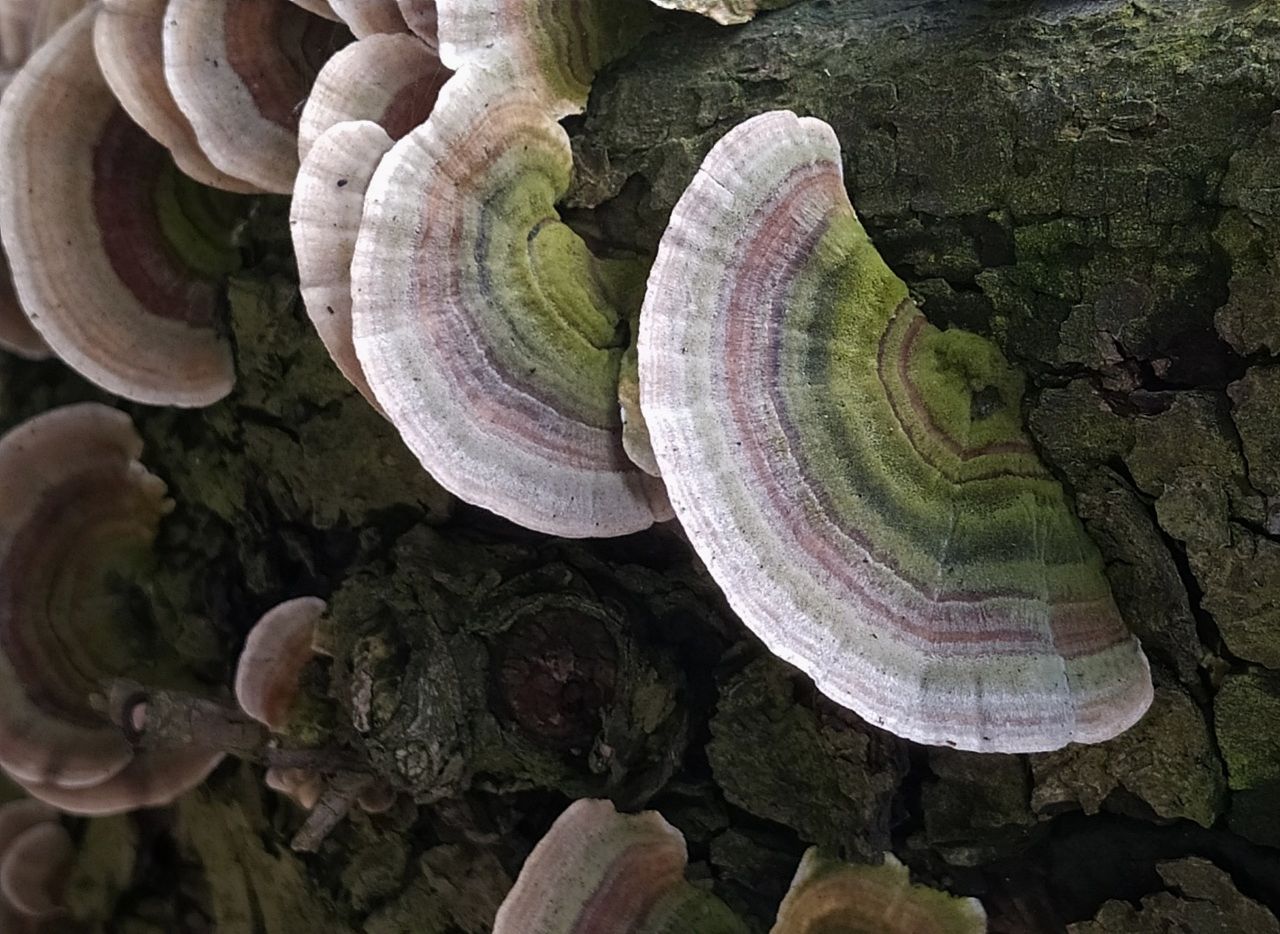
[[391, 80], [328, 201], [725, 12], [240, 70], [77, 516], [34, 855], [270, 668], [115, 254], [127, 39], [598, 870], [831, 897], [369, 17], [857, 481], [489, 333], [554, 47]]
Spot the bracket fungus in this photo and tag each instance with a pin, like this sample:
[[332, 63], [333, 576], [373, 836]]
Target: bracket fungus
[[278, 648], [597, 870], [724, 12], [35, 858], [128, 40], [240, 71], [78, 514], [553, 47], [392, 80], [489, 333], [858, 482], [832, 897], [421, 18], [115, 254], [324, 219], [370, 17]]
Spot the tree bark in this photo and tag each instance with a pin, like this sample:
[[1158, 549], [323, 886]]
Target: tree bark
[[1094, 185]]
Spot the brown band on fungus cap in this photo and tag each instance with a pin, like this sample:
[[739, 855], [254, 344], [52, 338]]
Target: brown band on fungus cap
[[370, 17], [114, 253], [392, 80], [240, 71], [859, 482], [127, 39], [76, 510], [34, 868], [324, 219], [552, 48], [490, 334], [421, 18], [828, 896], [597, 870], [277, 649]]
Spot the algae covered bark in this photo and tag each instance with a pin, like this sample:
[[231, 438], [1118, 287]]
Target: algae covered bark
[[1092, 186]]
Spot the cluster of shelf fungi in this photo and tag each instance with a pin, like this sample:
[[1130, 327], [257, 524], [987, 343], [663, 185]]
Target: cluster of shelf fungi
[[857, 482]]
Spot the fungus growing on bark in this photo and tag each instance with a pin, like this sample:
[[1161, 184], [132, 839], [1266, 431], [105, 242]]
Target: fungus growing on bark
[[278, 648], [240, 71], [324, 218], [598, 870], [832, 897], [857, 481], [489, 333], [115, 254], [392, 80], [78, 514], [553, 47], [127, 40]]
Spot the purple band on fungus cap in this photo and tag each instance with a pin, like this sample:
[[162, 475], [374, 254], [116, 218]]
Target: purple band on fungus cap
[[240, 71], [597, 870], [127, 39], [859, 482], [83, 206], [489, 333], [270, 668], [392, 80]]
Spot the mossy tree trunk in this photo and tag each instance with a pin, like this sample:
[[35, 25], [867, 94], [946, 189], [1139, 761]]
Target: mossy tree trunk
[[1096, 186]]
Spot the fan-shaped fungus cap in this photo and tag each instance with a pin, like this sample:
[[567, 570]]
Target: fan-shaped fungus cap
[[831, 897], [724, 12], [598, 870], [392, 80], [489, 333], [302, 785], [420, 17], [76, 510], [553, 47], [370, 17], [115, 254], [127, 39], [324, 218], [34, 867], [857, 481], [240, 70], [270, 667]]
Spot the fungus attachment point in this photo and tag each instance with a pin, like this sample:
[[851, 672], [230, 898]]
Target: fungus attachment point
[[598, 870], [116, 255], [78, 514], [489, 333], [857, 481], [831, 897]]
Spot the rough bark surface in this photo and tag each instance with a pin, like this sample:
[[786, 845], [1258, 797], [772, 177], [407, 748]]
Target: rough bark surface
[[1096, 186]]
